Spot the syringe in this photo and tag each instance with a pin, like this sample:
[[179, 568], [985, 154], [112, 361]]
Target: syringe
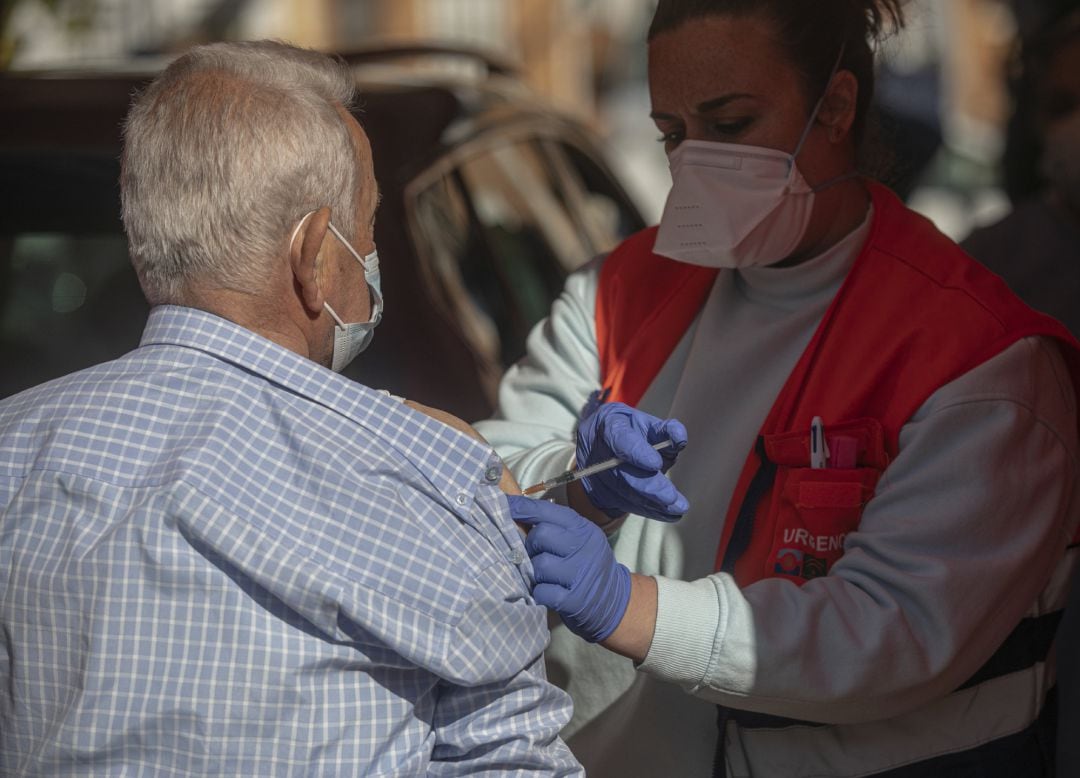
[[576, 475]]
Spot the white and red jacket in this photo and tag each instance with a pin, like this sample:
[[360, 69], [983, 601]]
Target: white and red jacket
[[913, 315], [874, 360]]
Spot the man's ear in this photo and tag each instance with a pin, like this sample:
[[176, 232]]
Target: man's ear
[[304, 258], [838, 109]]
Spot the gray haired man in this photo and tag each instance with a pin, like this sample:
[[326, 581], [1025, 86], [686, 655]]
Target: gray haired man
[[218, 556]]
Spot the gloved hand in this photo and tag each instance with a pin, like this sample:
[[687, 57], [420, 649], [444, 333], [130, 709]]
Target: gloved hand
[[576, 572], [639, 485]]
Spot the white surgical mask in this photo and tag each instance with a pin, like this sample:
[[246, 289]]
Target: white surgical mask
[[734, 206], [1061, 158], [352, 338]]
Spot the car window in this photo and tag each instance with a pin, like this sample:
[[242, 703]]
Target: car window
[[498, 232], [604, 210], [468, 289], [499, 229], [66, 302]]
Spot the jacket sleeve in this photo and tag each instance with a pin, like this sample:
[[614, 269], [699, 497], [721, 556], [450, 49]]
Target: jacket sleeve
[[541, 396], [966, 528]]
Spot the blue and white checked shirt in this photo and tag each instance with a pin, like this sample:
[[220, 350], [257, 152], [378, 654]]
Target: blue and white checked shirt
[[218, 558]]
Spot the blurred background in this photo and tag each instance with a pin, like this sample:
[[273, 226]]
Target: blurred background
[[515, 138], [946, 74]]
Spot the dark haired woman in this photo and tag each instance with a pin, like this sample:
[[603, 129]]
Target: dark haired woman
[[883, 445]]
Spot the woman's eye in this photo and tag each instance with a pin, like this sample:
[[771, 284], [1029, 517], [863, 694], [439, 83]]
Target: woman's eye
[[731, 128], [674, 138]]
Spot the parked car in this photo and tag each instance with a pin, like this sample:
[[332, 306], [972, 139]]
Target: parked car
[[490, 198]]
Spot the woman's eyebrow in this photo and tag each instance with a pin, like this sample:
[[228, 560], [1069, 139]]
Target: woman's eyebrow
[[720, 102], [708, 105]]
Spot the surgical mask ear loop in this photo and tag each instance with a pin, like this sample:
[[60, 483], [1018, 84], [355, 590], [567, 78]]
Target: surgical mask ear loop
[[835, 180], [337, 233], [814, 114], [333, 315], [292, 240], [369, 263], [333, 229], [296, 229], [363, 263], [346, 243]]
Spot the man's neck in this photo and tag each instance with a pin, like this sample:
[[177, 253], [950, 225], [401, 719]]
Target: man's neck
[[292, 330]]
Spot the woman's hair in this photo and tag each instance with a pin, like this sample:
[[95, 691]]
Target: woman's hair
[[224, 153], [812, 31]]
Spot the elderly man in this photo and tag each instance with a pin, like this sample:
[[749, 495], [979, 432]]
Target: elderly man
[[217, 556]]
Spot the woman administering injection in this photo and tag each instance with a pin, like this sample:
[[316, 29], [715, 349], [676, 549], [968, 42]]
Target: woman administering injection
[[885, 606]]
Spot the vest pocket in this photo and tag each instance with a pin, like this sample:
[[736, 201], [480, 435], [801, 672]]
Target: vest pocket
[[814, 510]]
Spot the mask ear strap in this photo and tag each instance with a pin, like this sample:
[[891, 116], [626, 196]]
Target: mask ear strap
[[292, 239], [835, 180], [345, 243], [296, 230], [333, 315], [817, 108]]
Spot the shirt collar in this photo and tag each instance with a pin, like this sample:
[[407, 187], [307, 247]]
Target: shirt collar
[[382, 416]]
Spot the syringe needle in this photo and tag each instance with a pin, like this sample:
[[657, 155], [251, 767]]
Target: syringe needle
[[576, 475]]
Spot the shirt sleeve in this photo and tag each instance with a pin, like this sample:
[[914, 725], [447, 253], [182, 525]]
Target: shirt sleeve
[[510, 725], [502, 729], [964, 532], [541, 397]]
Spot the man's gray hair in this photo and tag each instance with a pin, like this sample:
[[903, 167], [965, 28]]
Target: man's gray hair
[[224, 153]]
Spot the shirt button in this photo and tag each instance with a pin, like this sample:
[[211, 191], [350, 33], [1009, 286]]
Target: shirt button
[[462, 499], [493, 474], [516, 556]]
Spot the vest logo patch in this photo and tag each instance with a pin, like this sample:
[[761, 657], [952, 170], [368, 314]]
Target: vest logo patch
[[814, 567], [799, 564], [789, 561]]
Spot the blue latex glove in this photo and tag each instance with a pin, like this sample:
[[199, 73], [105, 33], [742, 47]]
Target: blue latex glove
[[576, 572], [639, 485]]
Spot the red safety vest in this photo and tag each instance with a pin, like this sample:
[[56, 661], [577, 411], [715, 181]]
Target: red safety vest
[[914, 313]]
